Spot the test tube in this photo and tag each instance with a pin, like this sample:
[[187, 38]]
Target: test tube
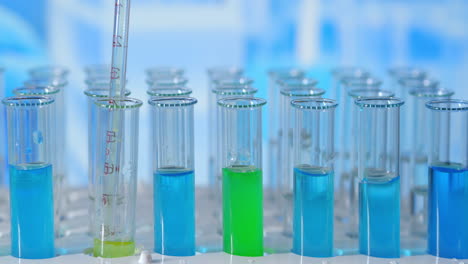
[[274, 75], [50, 72], [161, 83], [164, 72], [404, 72], [241, 143], [345, 166], [93, 93], [419, 155], [352, 198], [97, 71], [30, 134], [379, 180], [448, 179], [313, 177], [56, 145], [290, 89], [343, 72], [116, 176], [174, 182], [169, 92]]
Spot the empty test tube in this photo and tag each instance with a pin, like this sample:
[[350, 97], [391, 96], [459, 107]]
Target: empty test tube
[[313, 177], [169, 92], [174, 182], [404, 72], [30, 151], [97, 71], [93, 93], [49, 72], [448, 178], [241, 144], [378, 173], [116, 175], [164, 72], [163, 83], [290, 89], [419, 154]]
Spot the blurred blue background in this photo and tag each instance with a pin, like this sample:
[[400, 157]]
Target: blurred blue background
[[258, 34]]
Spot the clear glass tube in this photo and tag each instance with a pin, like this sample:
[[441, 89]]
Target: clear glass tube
[[169, 92], [164, 72], [222, 87], [344, 168], [57, 145], [174, 176], [448, 178], [418, 180], [351, 199], [289, 91], [344, 72], [116, 176], [49, 72], [93, 94], [404, 72], [30, 151], [241, 144], [97, 71], [313, 177], [161, 83], [273, 96], [379, 176]]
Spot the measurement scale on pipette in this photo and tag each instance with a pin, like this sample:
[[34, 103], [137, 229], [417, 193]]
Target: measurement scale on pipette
[[111, 232]]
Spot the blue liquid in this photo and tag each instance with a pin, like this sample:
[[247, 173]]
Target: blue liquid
[[448, 211], [32, 211], [174, 212], [313, 212], [379, 212]]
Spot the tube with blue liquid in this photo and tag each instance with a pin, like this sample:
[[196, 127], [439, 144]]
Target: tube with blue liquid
[[30, 133], [174, 182], [313, 177], [448, 179], [379, 177]]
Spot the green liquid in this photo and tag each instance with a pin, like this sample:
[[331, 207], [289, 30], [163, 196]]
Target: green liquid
[[242, 211], [113, 249]]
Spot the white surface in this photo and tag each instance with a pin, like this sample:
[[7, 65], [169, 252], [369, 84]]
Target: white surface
[[222, 258]]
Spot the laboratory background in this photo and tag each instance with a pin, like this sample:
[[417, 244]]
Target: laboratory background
[[258, 36]]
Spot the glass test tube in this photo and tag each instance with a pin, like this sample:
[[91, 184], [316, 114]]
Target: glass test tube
[[164, 72], [173, 82], [313, 177], [448, 179], [97, 71], [344, 159], [241, 143], [274, 75], [93, 93], [290, 90], [50, 72], [56, 145], [379, 180], [419, 155], [352, 198], [169, 92], [404, 72], [174, 182], [116, 176], [30, 151], [339, 73]]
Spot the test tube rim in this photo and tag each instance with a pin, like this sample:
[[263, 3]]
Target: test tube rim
[[182, 91], [109, 103], [35, 90], [258, 102], [248, 90], [391, 102], [337, 72], [399, 72], [431, 92], [364, 81], [43, 100], [301, 92], [99, 81], [405, 82], [305, 82], [169, 70], [88, 69], [37, 82], [57, 70], [233, 81], [163, 102], [177, 81], [105, 92], [326, 103], [432, 105], [232, 69], [291, 72], [354, 93]]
